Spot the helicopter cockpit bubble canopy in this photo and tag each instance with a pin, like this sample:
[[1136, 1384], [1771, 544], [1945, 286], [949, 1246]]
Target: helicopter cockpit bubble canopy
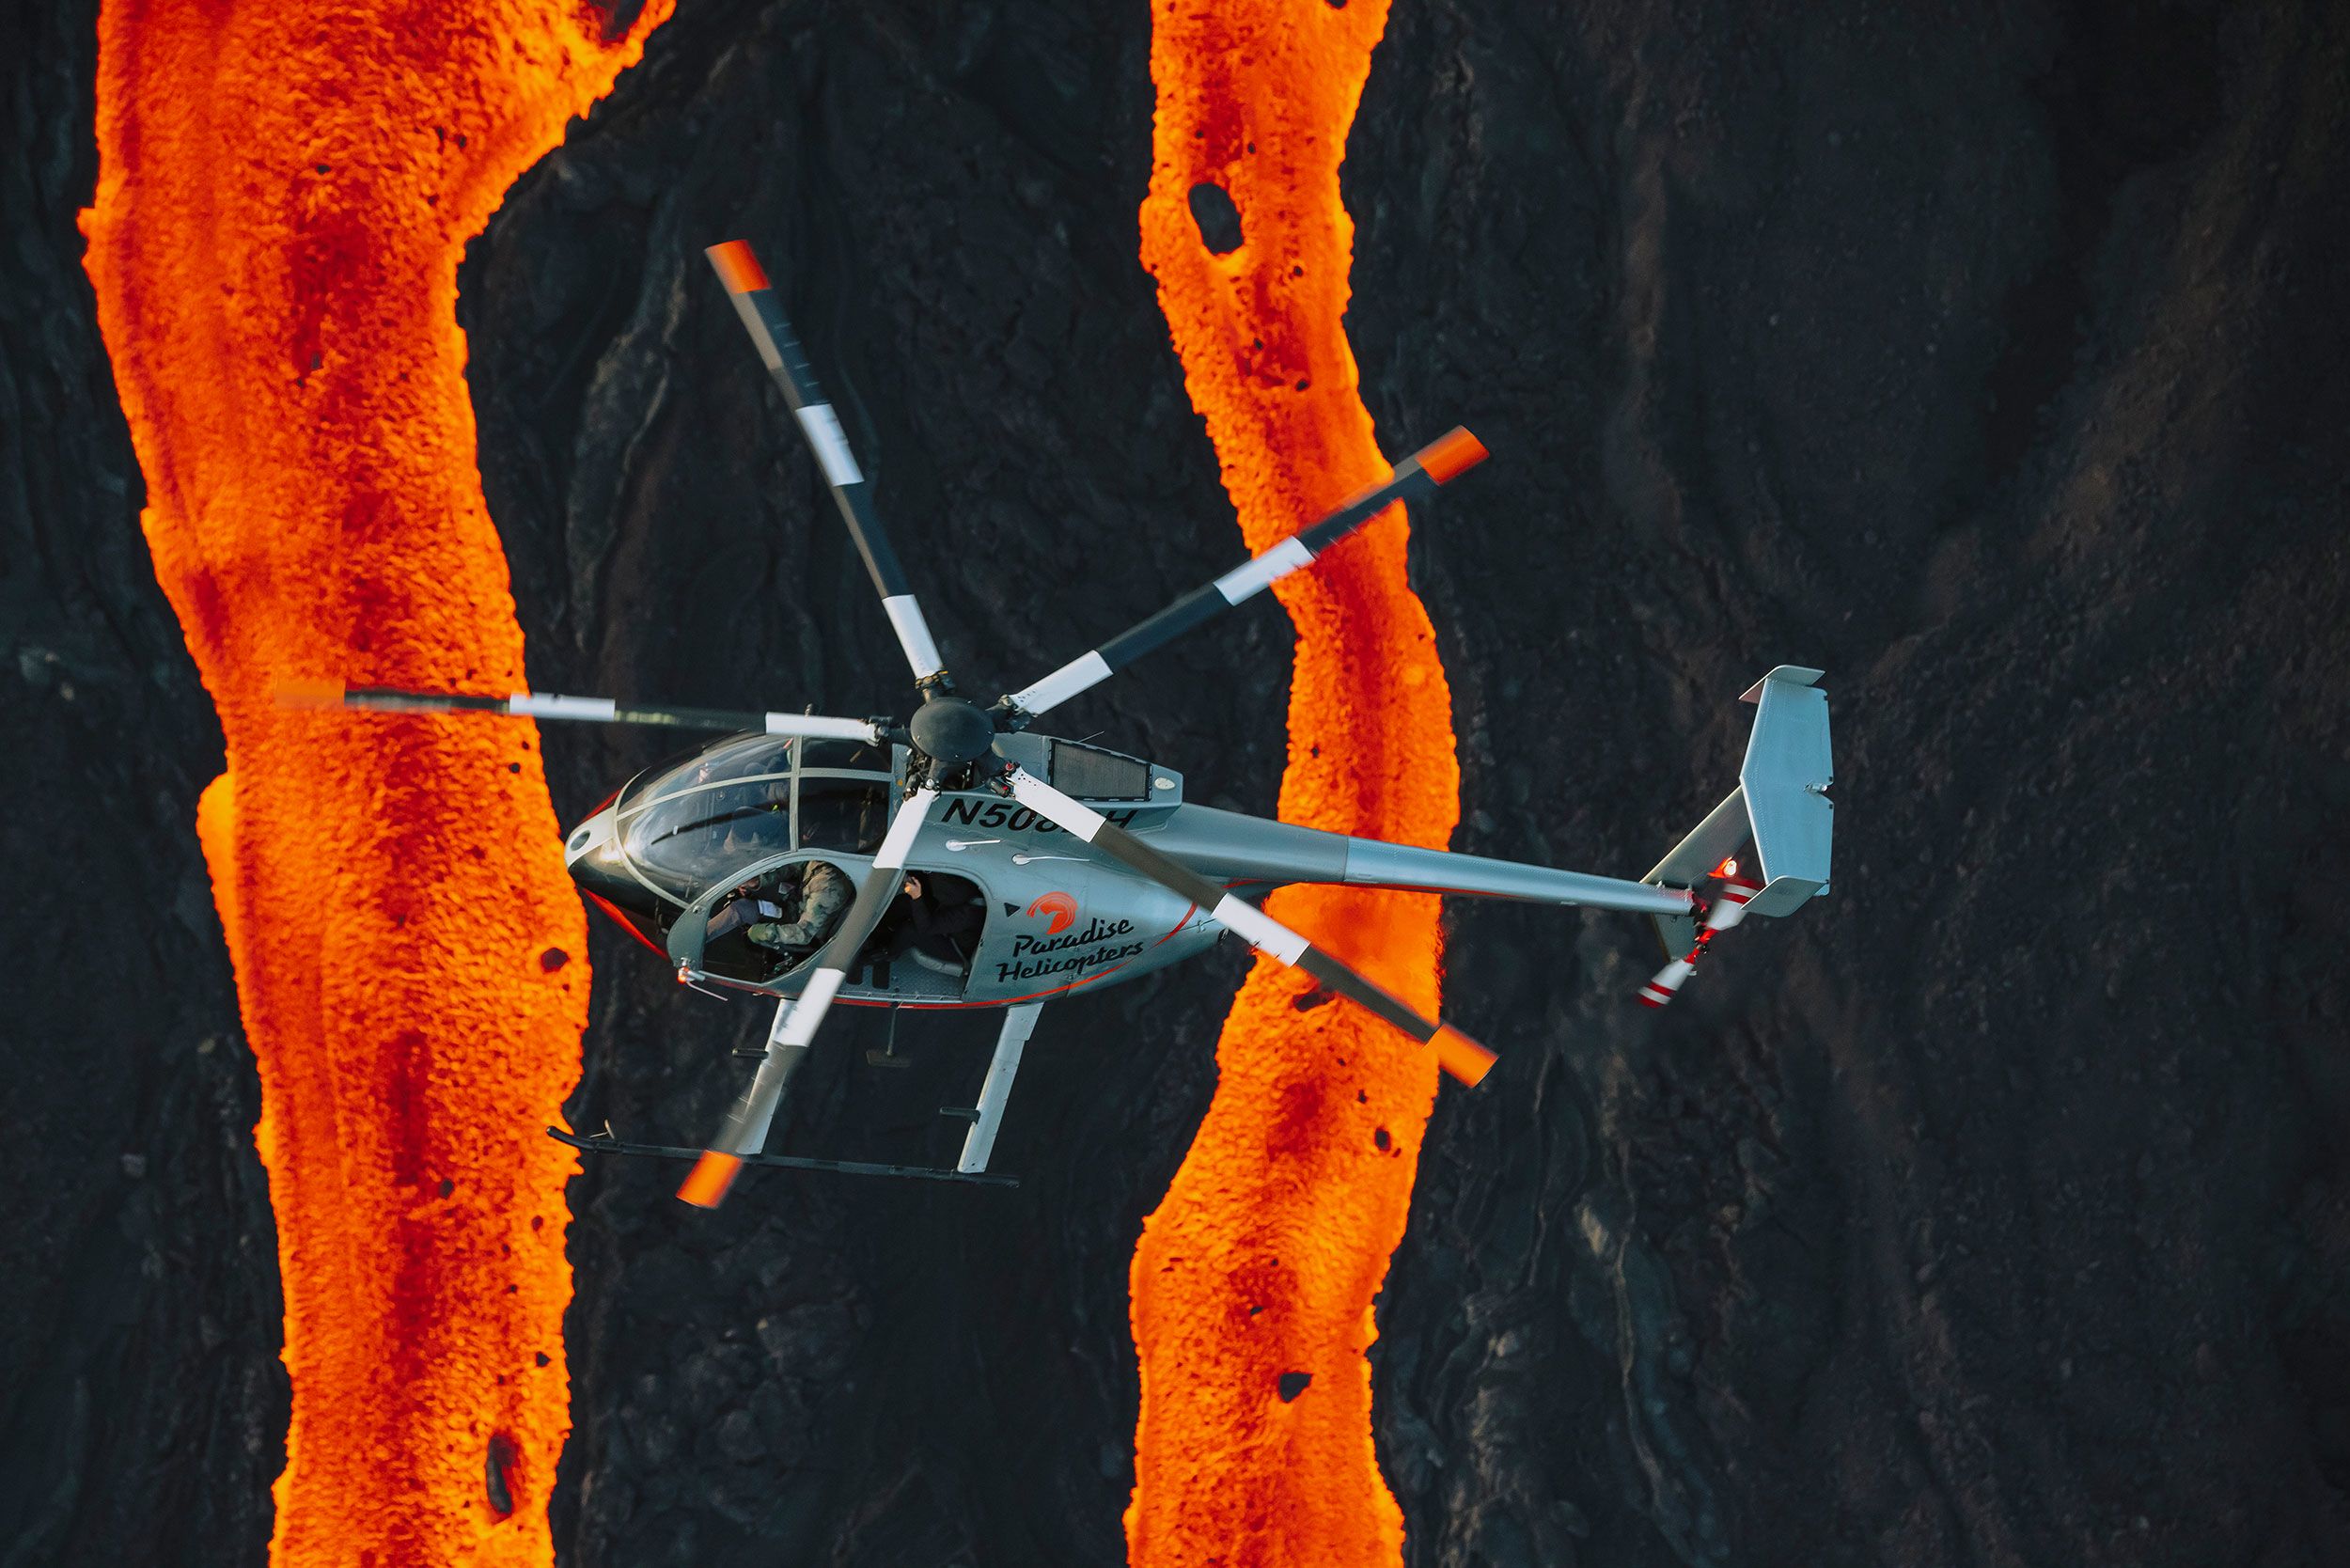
[[676, 831]]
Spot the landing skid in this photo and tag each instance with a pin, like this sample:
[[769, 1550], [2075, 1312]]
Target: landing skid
[[792, 1162]]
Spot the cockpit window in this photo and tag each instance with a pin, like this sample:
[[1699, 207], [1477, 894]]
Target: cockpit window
[[682, 841], [707, 816], [845, 755], [843, 813], [744, 757]]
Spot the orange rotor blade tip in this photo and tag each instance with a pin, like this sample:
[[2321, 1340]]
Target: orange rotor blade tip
[[294, 692], [712, 1174], [1462, 1056], [1450, 456], [738, 269]]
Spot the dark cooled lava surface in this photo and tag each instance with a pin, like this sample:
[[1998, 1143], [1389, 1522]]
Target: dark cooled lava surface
[[1993, 1212]]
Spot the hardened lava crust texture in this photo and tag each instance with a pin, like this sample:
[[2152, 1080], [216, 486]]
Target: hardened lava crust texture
[[1993, 1212], [283, 197]]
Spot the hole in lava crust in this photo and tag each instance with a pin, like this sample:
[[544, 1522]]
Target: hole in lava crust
[[1212, 209]]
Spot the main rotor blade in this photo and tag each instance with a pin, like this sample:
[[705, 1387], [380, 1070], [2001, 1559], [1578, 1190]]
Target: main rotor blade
[[715, 1173], [1416, 479], [779, 351], [754, 1109], [1459, 1055], [591, 709]]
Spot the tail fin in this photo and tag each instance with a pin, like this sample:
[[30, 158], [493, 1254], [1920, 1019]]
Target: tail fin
[[1780, 806]]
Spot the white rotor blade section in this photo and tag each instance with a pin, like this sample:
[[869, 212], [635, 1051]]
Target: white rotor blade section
[[715, 1173]]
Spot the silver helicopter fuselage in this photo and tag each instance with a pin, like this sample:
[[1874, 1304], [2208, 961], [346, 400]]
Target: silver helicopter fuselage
[[1044, 914]]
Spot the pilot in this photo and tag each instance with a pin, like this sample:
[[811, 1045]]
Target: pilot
[[749, 903], [825, 894]]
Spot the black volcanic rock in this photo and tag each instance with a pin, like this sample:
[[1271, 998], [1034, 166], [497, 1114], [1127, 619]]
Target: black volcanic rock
[[1993, 1210], [142, 1404]]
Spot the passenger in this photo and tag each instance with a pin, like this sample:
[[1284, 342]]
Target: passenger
[[936, 936], [825, 894], [907, 920]]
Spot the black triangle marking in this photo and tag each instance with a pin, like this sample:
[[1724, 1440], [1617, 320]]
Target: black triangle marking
[[1011, 909]]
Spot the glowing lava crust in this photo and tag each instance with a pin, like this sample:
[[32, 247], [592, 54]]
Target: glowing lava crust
[[1254, 1281], [283, 195]]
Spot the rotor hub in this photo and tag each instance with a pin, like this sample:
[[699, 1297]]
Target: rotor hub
[[952, 731]]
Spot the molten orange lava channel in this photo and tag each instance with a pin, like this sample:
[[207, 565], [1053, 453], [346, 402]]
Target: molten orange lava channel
[[285, 190], [1267, 1252]]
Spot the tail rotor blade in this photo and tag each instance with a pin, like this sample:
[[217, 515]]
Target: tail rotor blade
[[1459, 1054], [762, 316], [715, 1173], [1416, 479], [1729, 907], [589, 709]]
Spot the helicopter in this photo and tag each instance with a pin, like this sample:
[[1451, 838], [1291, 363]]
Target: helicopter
[[998, 866]]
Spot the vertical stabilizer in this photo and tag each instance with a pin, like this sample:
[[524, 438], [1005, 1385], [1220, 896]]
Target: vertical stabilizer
[[1785, 779], [1780, 806]]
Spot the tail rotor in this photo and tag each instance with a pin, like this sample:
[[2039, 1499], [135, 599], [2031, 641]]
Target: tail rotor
[[1728, 908]]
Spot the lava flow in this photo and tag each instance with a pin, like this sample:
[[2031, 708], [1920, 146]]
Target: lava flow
[[1254, 1281], [283, 194]]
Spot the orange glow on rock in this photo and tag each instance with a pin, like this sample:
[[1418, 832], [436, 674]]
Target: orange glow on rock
[[1254, 1281], [284, 193]]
